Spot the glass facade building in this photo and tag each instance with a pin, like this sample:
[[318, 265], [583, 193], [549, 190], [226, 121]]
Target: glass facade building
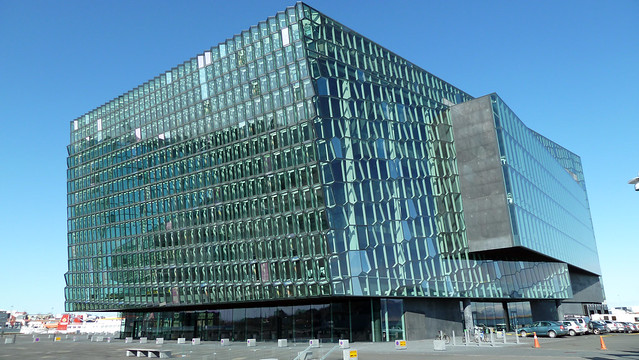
[[300, 181], [546, 192]]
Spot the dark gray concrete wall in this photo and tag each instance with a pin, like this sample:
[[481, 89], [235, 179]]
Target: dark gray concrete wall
[[481, 178], [586, 288], [544, 310], [425, 317], [570, 309]]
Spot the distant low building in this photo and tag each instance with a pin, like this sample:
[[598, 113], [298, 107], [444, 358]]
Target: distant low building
[[76, 325], [623, 314]]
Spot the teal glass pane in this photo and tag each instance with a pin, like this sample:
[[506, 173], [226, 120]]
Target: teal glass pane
[[546, 191]]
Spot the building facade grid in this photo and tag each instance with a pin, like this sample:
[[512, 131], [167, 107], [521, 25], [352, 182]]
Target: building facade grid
[[296, 161]]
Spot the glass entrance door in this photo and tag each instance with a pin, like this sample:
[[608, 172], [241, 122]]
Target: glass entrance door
[[392, 319]]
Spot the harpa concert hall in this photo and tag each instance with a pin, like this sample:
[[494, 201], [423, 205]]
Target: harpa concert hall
[[300, 181]]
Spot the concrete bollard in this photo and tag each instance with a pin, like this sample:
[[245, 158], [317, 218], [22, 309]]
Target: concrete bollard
[[282, 343], [439, 345], [251, 343], [181, 340], [314, 343], [349, 354], [225, 342], [144, 340], [195, 341], [128, 340], [344, 344], [159, 341], [400, 344]]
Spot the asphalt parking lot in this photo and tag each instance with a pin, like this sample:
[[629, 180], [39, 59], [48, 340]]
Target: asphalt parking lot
[[619, 346]]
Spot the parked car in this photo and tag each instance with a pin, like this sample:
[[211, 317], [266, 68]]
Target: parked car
[[630, 327], [620, 326], [574, 328], [581, 320], [544, 328], [597, 327], [612, 327]]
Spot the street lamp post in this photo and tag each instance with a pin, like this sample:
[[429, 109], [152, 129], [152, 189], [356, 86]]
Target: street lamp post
[[635, 182]]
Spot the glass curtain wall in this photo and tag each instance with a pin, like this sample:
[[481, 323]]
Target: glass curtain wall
[[519, 314], [546, 193], [392, 319], [502, 316], [387, 165], [489, 314], [201, 186], [297, 159], [329, 322]]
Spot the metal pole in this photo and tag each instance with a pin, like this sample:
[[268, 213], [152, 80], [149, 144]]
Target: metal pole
[[454, 341], [492, 337]]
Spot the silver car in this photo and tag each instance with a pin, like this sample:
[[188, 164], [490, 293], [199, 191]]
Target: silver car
[[610, 325], [621, 327], [628, 327], [574, 328]]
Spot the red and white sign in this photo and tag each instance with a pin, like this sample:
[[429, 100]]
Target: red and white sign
[[62, 324]]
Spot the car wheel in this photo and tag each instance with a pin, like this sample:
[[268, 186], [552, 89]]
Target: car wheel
[[596, 332], [572, 332], [523, 333], [552, 334]]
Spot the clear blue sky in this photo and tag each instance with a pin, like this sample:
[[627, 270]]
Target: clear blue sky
[[567, 68]]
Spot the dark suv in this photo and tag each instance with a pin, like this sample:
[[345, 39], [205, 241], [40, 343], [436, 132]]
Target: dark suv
[[597, 327]]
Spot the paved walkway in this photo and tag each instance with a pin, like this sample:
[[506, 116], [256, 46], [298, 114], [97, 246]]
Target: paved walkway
[[621, 346]]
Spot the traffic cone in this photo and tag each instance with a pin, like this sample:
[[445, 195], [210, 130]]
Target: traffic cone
[[603, 344], [536, 345]]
